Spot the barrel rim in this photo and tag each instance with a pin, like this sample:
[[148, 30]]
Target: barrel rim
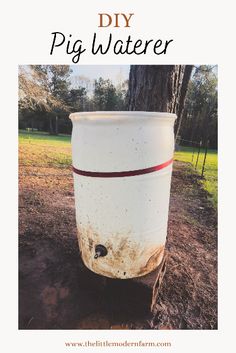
[[120, 115]]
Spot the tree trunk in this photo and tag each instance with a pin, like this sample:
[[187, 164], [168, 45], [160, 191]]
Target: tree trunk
[[184, 88], [32, 124], [56, 125], [158, 87], [50, 126], [53, 125]]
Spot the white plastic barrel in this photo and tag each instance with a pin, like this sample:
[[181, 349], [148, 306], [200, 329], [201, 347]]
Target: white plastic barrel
[[122, 163]]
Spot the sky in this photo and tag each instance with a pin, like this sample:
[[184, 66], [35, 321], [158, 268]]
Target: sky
[[116, 73]]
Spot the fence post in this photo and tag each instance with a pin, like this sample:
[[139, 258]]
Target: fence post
[[193, 151], [199, 148], [204, 161]]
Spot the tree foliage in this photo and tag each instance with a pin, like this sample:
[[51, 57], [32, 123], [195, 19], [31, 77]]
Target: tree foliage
[[107, 96], [44, 90], [47, 96], [200, 112]]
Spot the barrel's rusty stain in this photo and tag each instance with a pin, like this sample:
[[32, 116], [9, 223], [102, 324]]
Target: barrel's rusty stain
[[90, 241], [125, 258], [153, 261]]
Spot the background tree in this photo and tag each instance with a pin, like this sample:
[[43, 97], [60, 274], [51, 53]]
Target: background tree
[[78, 99], [56, 78], [48, 93], [43, 91], [200, 112], [121, 92], [35, 96], [107, 97]]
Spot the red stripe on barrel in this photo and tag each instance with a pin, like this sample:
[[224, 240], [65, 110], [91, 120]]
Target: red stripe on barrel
[[123, 173]]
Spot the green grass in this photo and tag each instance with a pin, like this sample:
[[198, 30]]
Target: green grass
[[43, 137], [210, 180], [43, 150]]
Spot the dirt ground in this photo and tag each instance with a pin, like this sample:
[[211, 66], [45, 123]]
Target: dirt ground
[[56, 291]]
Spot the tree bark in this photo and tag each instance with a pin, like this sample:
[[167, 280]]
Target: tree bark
[[158, 87], [184, 88]]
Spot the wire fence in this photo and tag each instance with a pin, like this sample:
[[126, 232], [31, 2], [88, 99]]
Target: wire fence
[[197, 149]]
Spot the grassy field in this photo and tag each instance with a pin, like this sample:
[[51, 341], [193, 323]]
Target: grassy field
[[42, 137], [186, 154], [41, 149]]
